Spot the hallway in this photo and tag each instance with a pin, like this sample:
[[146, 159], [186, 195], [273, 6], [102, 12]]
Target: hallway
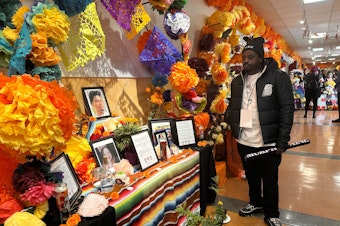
[[309, 177]]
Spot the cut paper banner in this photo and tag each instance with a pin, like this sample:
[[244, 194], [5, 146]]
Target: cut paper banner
[[121, 11], [86, 40], [139, 20], [159, 53]]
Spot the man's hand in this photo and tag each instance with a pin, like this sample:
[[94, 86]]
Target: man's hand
[[280, 151]]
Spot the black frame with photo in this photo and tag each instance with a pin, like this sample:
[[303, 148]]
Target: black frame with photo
[[144, 148], [63, 163], [185, 132], [166, 124], [107, 142], [86, 91]]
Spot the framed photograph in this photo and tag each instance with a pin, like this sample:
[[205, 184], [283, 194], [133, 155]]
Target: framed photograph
[[105, 147], [63, 164], [95, 102], [185, 134], [144, 148], [156, 125], [163, 148]]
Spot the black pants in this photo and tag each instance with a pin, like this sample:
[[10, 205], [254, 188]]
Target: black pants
[[311, 95], [262, 172]]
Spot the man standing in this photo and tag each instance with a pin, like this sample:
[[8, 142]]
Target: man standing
[[312, 89], [260, 113]]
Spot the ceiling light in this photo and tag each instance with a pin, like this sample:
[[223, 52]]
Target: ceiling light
[[317, 49], [331, 58], [310, 41], [335, 54], [302, 21], [318, 35], [311, 1], [317, 56], [338, 47]]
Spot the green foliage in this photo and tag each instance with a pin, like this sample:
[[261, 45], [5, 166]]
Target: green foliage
[[122, 135], [214, 218]]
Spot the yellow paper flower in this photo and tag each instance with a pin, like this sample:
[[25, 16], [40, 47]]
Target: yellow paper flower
[[23, 218], [30, 123], [183, 77], [42, 54], [77, 148], [35, 115], [18, 17], [54, 23], [218, 105], [41, 210], [157, 98]]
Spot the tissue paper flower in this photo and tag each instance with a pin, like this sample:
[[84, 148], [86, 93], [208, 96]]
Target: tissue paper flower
[[38, 193], [183, 77], [36, 115], [24, 218]]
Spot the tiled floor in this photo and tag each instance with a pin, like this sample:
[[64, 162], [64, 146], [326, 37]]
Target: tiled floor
[[309, 177]]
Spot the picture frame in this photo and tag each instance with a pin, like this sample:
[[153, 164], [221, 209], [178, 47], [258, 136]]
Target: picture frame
[[144, 148], [163, 148], [156, 125], [95, 102], [185, 133], [62, 163], [105, 147]]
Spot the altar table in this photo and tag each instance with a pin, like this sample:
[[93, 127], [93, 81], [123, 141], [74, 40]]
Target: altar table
[[158, 191]]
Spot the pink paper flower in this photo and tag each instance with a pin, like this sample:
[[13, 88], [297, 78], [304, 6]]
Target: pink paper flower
[[39, 193]]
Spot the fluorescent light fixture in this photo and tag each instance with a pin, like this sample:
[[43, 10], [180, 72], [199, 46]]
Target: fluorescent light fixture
[[311, 1], [335, 54], [317, 49], [338, 47], [331, 58], [318, 35], [302, 21], [310, 41], [317, 59], [317, 56]]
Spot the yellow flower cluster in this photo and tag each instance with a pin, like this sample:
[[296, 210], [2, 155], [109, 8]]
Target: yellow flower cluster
[[41, 54], [54, 23]]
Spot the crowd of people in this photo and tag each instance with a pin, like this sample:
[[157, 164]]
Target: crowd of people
[[315, 89]]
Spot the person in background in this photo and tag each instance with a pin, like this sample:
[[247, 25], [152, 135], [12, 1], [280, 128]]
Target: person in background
[[97, 103], [312, 89], [337, 87], [260, 114]]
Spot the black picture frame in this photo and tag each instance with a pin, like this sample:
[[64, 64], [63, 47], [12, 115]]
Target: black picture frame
[[185, 132], [144, 148], [156, 125], [95, 95], [62, 163], [105, 146]]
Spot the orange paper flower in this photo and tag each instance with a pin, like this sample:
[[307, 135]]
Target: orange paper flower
[[183, 77], [114, 195], [73, 220]]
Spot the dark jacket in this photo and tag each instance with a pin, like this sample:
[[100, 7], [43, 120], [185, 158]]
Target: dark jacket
[[275, 106], [312, 92]]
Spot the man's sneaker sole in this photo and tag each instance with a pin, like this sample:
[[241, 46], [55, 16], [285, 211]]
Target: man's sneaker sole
[[256, 210]]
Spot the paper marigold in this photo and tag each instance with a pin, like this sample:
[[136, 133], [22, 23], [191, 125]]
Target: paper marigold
[[36, 115], [219, 74], [218, 105], [183, 77], [53, 22]]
